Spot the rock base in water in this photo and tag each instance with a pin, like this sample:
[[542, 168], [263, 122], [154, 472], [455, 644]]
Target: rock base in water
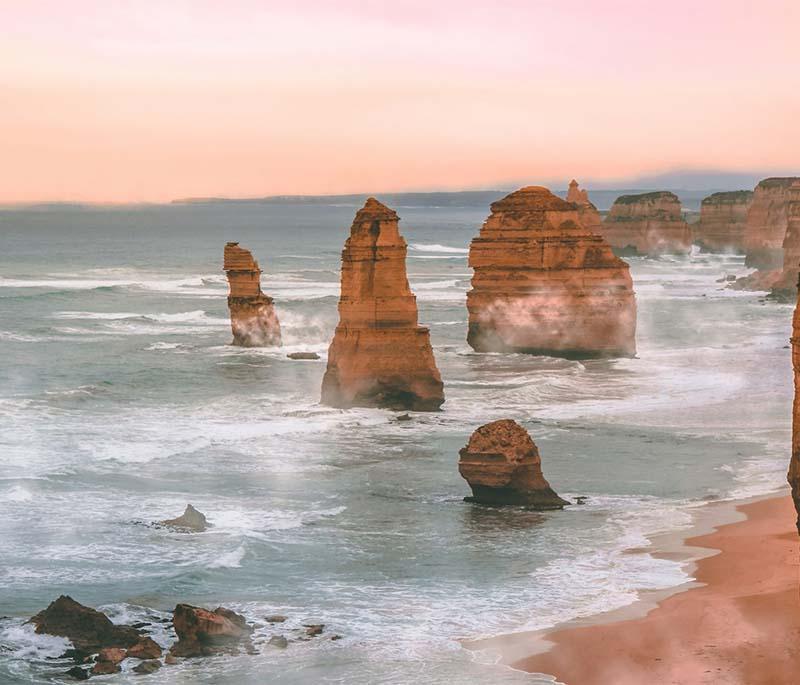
[[204, 633], [191, 520]]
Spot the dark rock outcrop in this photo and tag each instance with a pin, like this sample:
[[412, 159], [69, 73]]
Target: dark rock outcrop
[[146, 648], [502, 466], [204, 633], [191, 520], [88, 629], [253, 319], [380, 356], [303, 355], [544, 284], [647, 224]]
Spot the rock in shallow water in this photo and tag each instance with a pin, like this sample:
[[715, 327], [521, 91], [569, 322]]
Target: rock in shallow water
[[303, 355], [191, 520], [147, 667], [203, 633], [78, 673], [146, 648]]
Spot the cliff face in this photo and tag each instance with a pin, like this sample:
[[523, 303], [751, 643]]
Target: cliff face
[[502, 466], [379, 356], [587, 212], [766, 223], [253, 319], [647, 224], [723, 218], [544, 284], [794, 464], [786, 285]]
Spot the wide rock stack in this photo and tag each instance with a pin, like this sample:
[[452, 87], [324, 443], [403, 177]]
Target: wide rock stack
[[544, 284], [767, 220], [587, 212], [648, 224], [794, 465], [723, 218], [380, 356], [253, 319], [502, 466]]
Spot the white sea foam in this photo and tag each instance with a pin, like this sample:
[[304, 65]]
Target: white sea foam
[[232, 559], [435, 247]]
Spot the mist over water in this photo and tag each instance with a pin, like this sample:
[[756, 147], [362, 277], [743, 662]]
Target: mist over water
[[121, 401]]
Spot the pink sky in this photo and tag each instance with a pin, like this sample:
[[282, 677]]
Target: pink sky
[[149, 101]]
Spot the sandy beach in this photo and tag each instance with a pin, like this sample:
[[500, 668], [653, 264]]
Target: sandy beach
[[739, 624]]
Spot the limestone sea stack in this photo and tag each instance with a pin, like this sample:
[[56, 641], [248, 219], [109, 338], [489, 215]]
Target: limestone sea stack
[[380, 356], [544, 284], [723, 218], [253, 319], [794, 465], [785, 287], [502, 466], [766, 223], [587, 212], [648, 224]]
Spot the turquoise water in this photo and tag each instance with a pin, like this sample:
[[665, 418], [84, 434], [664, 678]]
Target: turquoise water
[[121, 401]]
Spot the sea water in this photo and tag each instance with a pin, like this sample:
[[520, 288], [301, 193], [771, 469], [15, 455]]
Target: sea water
[[121, 401]]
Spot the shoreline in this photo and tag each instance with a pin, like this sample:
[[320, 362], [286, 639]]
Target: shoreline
[[753, 540]]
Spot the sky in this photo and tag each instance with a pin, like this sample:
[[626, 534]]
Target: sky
[[154, 100]]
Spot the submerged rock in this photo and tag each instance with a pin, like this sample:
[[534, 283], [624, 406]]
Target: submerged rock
[[275, 618], [78, 673], [502, 466], [146, 648], [545, 284], [147, 667], [88, 629], [278, 641], [314, 629], [648, 224], [254, 322], [203, 633], [723, 219], [380, 356], [303, 355], [191, 520]]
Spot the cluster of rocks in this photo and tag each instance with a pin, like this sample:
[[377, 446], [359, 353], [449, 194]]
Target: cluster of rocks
[[99, 647]]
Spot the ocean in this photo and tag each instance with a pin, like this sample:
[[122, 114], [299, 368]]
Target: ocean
[[121, 401]]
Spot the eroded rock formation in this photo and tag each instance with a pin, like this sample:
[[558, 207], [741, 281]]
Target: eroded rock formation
[[794, 465], [502, 466], [587, 212], [766, 225], [785, 286], [647, 224], [544, 284], [204, 633], [380, 356], [253, 319], [723, 218], [191, 520]]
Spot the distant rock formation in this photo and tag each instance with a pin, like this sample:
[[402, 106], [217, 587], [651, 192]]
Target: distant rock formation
[[647, 224], [794, 465], [380, 356], [502, 466], [205, 633], [766, 225], [544, 284], [723, 218], [587, 212], [253, 319], [191, 520]]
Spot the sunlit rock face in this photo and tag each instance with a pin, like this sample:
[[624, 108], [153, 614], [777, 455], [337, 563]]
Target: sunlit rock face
[[794, 465], [723, 218], [785, 286], [587, 212], [253, 319], [380, 356], [502, 466], [544, 284], [766, 225], [647, 224]]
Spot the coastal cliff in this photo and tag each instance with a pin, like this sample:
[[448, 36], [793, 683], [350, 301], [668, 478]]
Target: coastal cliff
[[794, 464], [254, 322], [723, 218], [380, 355], [766, 223], [544, 284], [647, 224]]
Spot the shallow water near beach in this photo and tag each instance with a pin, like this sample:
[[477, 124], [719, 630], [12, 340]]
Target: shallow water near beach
[[121, 401]]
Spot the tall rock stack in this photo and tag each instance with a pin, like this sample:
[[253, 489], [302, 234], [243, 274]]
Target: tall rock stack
[[380, 356], [794, 465], [587, 212], [786, 286], [648, 224], [767, 223], [723, 218], [544, 284], [253, 319]]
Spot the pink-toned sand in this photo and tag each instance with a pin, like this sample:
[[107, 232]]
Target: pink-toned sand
[[742, 626]]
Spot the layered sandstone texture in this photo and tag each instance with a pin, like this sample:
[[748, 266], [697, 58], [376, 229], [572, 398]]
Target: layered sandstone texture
[[587, 212], [648, 224], [253, 319], [380, 356], [767, 220], [723, 217], [794, 464], [786, 285], [544, 284], [502, 466]]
